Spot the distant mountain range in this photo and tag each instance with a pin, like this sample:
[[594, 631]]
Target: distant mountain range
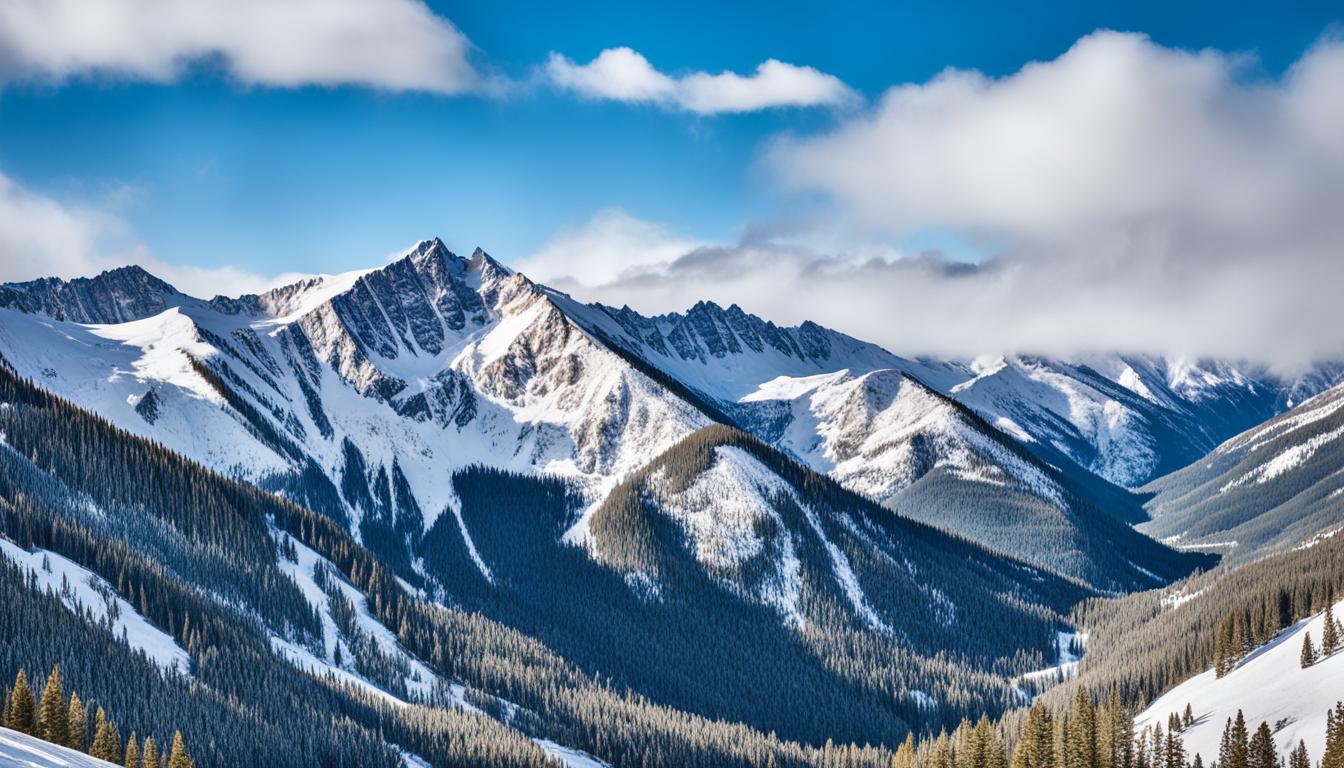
[[360, 394]]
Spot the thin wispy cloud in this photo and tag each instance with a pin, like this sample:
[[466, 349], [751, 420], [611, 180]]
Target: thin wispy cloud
[[623, 74], [398, 45]]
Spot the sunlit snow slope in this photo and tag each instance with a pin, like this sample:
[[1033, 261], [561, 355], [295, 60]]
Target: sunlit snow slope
[[1268, 686]]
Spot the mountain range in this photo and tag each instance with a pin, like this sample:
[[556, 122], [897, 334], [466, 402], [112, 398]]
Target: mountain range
[[677, 507]]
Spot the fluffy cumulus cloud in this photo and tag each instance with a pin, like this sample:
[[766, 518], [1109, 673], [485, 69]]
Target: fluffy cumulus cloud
[[390, 44], [1139, 198], [622, 74], [43, 237]]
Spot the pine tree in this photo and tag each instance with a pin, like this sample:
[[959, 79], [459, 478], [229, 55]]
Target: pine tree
[[1334, 738], [1330, 635], [1234, 753], [77, 723], [133, 752], [151, 758], [106, 741], [1308, 651], [1036, 746], [905, 754], [1189, 718], [22, 706], [1174, 750], [1080, 733], [178, 758], [1298, 758], [53, 716], [1262, 753]]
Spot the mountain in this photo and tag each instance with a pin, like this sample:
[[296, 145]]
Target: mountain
[[362, 394], [178, 598], [357, 394], [1270, 488], [890, 437], [1124, 418]]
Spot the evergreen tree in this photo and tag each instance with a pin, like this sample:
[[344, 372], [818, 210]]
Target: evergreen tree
[[1330, 635], [1262, 753], [151, 758], [1298, 758], [1174, 750], [178, 758], [133, 752], [1308, 651], [1189, 718], [77, 724], [53, 716], [905, 754], [1036, 744], [1235, 747], [106, 741], [22, 707], [1080, 733], [1334, 738]]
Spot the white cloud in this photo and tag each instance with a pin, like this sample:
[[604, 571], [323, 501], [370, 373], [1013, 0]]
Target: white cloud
[[42, 237], [611, 244], [622, 74], [391, 44]]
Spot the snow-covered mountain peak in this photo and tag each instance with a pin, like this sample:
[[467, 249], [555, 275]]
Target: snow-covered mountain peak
[[114, 296]]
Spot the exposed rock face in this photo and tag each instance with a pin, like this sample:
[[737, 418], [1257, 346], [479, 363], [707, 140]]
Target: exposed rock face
[[115, 296]]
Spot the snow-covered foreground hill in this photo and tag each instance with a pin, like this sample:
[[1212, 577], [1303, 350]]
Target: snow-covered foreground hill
[[1269, 686], [23, 751]]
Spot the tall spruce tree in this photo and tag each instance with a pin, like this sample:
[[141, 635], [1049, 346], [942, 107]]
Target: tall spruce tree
[[1299, 758], [77, 724], [133, 752], [1036, 744], [53, 714], [1262, 753], [1308, 651], [150, 757], [178, 757], [1080, 733], [1330, 634], [1236, 744], [1334, 738], [1174, 750], [106, 741], [22, 706]]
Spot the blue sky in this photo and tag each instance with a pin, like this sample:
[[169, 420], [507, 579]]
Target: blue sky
[[942, 178], [210, 171]]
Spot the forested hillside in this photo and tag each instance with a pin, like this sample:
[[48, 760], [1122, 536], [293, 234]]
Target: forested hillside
[[1268, 489]]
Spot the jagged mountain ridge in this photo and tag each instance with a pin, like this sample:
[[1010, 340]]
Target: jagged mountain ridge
[[359, 393], [900, 442], [1124, 418], [382, 381], [1273, 487]]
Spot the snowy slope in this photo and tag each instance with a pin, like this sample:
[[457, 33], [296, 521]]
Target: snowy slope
[[23, 751], [419, 680], [895, 440], [1268, 686], [1268, 489], [385, 380], [87, 594]]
